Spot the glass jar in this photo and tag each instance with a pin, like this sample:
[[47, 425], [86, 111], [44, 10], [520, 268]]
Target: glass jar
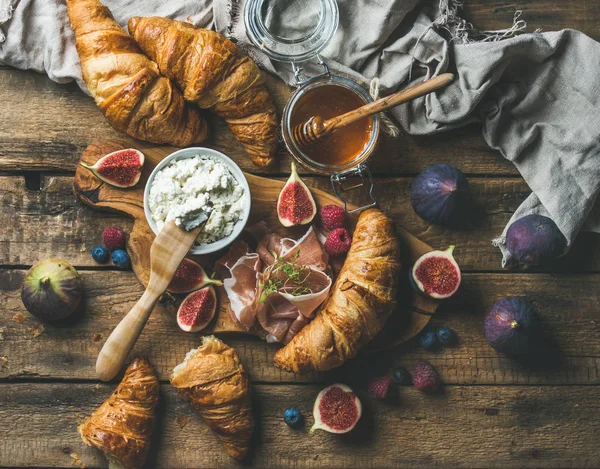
[[295, 31]]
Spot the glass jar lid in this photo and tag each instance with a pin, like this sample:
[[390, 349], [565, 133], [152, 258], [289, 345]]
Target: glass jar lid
[[291, 30]]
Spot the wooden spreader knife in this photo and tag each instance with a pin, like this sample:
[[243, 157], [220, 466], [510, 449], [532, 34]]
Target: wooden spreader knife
[[168, 250]]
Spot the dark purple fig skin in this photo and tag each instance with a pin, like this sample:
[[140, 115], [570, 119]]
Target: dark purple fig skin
[[534, 240], [52, 289], [440, 195], [512, 326]]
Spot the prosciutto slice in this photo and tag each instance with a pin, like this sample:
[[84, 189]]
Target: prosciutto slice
[[240, 280], [284, 312]]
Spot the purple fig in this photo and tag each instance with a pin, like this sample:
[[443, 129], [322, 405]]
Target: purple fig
[[534, 240], [337, 409], [197, 310], [511, 326], [121, 168], [436, 274], [190, 276], [295, 205], [440, 195]]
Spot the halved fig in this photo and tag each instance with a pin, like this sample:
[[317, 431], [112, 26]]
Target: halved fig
[[337, 409], [189, 277], [197, 310], [436, 274], [295, 205], [121, 168]]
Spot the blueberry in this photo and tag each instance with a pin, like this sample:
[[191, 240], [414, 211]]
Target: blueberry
[[445, 336], [401, 376], [120, 258], [292, 417], [428, 340], [100, 254]]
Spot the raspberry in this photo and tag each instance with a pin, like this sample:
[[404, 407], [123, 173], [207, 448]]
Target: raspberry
[[379, 387], [113, 238], [333, 217], [425, 377], [338, 242]]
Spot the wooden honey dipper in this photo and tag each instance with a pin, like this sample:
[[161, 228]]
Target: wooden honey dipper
[[315, 128]]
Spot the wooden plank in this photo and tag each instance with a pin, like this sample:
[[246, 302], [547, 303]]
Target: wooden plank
[[56, 122], [569, 306], [465, 427], [549, 15], [53, 223]]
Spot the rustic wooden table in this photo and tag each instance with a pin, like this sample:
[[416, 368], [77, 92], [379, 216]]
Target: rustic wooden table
[[495, 412]]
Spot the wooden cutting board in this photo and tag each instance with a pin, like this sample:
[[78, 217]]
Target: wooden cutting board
[[414, 310]]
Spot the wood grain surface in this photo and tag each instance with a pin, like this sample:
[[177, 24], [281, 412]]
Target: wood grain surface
[[568, 304], [521, 426], [496, 412]]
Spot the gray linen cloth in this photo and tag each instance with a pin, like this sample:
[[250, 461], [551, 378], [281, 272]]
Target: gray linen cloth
[[537, 96]]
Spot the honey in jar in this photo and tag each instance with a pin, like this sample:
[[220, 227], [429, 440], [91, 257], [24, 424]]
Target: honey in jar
[[344, 144]]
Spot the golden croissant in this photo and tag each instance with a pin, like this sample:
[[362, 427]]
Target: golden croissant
[[126, 85], [121, 427], [212, 74], [214, 381], [361, 301]]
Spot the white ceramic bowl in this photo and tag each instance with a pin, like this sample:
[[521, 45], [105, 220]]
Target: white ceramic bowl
[[235, 171]]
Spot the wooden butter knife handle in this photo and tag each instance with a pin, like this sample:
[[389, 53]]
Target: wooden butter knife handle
[[122, 339]]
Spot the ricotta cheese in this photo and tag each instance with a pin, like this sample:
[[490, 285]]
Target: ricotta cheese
[[189, 186]]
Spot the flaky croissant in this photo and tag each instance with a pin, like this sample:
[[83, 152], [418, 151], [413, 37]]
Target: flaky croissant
[[121, 427], [214, 381], [212, 74], [126, 85], [361, 301]]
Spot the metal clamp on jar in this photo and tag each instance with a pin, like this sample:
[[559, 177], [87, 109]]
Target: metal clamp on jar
[[295, 32]]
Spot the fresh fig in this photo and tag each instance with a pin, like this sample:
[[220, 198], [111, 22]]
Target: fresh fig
[[52, 289], [121, 168], [534, 240], [337, 409], [436, 274], [197, 309], [295, 205], [189, 277], [511, 326], [440, 195]]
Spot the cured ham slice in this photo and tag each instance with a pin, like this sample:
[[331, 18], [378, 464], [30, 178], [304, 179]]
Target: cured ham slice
[[239, 270], [278, 287], [284, 308], [308, 250]]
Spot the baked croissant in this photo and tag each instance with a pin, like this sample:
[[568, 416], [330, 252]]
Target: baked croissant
[[213, 75], [121, 427], [361, 300], [126, 85], [214, 381]]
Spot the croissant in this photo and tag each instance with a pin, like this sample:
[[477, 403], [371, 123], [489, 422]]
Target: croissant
[[361, 300], [213, 75], [121, 427], [126, 85], [214, 381]]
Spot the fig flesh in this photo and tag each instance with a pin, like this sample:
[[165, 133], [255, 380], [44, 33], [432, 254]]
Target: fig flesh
[[189, 277], [121, 168], [512, 326], [436, 274], [295, 205], [440, 195], [534, 240], [52, 289], [197, 309], [337, 409]]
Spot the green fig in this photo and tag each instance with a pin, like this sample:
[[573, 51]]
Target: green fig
[[52, 289]]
